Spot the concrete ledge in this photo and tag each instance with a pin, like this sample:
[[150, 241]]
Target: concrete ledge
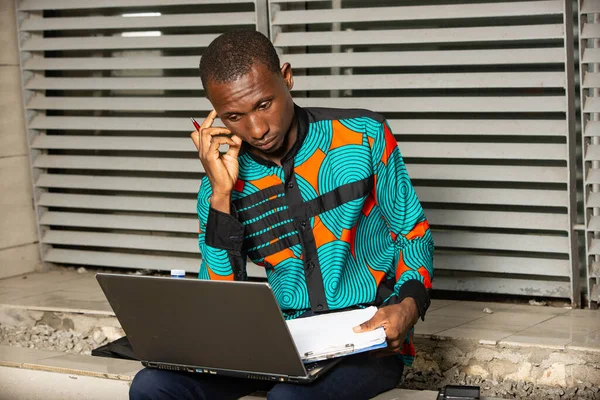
[[39, 374]]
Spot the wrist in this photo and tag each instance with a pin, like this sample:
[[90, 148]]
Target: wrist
[[221, 202], [410, 307]]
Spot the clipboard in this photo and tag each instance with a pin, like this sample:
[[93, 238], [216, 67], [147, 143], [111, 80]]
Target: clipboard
[[331, 335]]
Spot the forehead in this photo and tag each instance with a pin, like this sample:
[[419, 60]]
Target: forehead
[[245, 91]]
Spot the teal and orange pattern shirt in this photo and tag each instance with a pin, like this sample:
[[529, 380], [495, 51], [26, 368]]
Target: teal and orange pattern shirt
[[338, 225]]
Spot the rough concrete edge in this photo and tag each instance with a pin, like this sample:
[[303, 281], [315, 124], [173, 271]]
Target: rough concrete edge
[[69, 371], [501, 344], [61, 310]]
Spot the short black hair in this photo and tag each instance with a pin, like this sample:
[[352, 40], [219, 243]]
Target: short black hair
[[232, 55]]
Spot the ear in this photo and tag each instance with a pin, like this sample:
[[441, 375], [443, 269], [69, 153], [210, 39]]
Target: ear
[[288, 77]]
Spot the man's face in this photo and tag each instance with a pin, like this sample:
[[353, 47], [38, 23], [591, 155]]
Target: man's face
[[257, 107]]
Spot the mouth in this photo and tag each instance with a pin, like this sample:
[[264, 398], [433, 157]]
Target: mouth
[[267, 144]]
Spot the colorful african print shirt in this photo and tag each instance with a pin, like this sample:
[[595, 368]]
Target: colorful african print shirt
[[338, 225]]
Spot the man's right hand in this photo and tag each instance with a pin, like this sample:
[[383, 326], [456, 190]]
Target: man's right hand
[[221, 169]]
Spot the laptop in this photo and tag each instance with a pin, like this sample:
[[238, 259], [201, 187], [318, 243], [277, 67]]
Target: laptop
[[210, 327]]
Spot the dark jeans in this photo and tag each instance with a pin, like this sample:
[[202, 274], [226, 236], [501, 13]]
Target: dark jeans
[[361, 376]]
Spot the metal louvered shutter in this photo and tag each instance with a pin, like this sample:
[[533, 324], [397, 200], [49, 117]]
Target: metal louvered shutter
[[589, 58], [109, 89], [479, 95], [481, 100]]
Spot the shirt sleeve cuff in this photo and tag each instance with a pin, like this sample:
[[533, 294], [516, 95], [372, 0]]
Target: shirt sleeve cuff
[[416, 290], [224, 231]]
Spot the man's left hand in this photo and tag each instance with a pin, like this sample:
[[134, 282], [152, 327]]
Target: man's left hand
[[396, 320]]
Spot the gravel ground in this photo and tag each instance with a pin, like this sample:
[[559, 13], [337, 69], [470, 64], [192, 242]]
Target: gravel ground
[[45, 337], [505, 389]]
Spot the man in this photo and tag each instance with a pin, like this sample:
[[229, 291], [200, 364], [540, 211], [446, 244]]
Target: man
[[318, 197]]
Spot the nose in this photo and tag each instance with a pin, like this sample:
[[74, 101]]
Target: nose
[[258, 126]]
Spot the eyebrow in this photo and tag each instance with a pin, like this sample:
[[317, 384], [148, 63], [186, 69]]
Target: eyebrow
[[258, 103]]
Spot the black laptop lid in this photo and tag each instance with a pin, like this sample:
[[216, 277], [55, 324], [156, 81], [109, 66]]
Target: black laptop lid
[[224, 325]]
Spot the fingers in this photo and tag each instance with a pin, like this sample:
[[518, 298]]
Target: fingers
[[207, 123], [373, 323], [212, 152], [207, 135], [196, 139], [234, 150]]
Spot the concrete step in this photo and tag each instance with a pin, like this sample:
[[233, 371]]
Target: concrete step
[[38, 374], [500, 367]]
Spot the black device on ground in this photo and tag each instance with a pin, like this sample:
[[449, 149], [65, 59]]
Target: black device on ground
[[212, 327], [452, 392]]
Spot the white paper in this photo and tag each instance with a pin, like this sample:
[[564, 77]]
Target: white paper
[[328, 333]]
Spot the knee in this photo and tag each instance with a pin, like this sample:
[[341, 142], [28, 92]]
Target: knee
[[285, 391], [147, 384]]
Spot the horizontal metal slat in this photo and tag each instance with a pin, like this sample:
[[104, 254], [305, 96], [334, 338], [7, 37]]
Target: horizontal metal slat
[[591, 80], [303, 83], [522, 287], [120, 22], [190, 245], [440, 195], [593, 200], [592, 128], [117, 203], [591, 105], [592, 152], [590, 31], [590, 56], [593, 177], [498, 219], [417, 171], [501, 241], [590, 6], [410, 13], [396, 104], [501, 264], [486, 173], [127, 184], [121, 241], [118, 163], [116, 123], [110, 63], [33, 5], [594, 224], [551, 55], [123, 260], [128, 222], [137, 261], [432, 81], [517, 197], [521, 151], [505, 127], [466, 150], [113, 143], [407, 36], [513, 126], [117, 42], [594, 248], [438, 218]]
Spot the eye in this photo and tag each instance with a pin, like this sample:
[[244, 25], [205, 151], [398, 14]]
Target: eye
[[234, 117], [264, 105]]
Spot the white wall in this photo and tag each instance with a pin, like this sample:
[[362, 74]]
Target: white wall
[[18, 238]]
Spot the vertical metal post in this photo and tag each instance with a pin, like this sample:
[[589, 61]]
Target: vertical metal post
[[262, 16], [572, 156], [31, 133], [335, 27], [593, 282]]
